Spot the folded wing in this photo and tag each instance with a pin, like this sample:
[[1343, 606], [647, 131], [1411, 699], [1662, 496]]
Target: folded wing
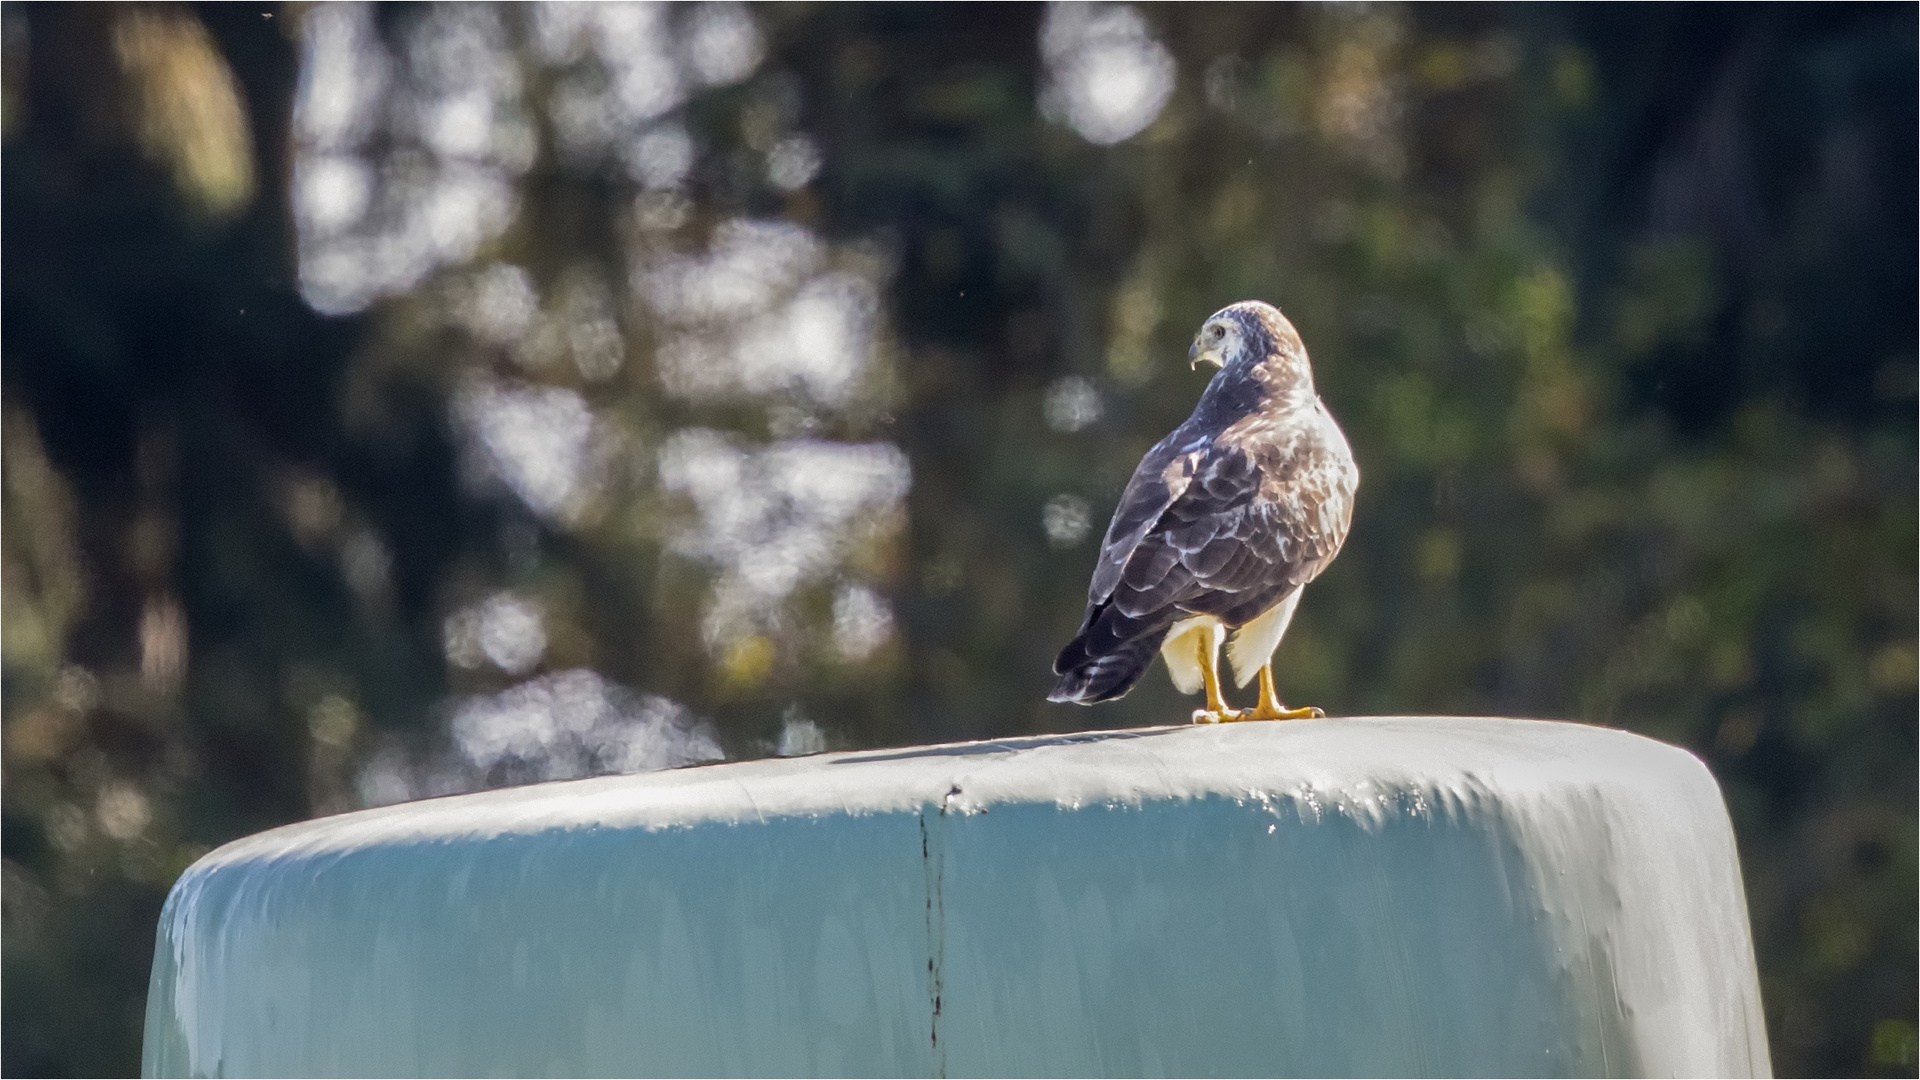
[[1199, 531]]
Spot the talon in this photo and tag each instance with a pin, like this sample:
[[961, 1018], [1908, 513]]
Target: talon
[[1308, 713], [1208, 716], [1270, 707]]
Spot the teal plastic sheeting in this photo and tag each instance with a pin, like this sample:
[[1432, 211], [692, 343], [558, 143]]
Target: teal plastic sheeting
[[1396, 896]]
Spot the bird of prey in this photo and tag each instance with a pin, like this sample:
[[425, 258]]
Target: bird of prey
[[1224, 522]]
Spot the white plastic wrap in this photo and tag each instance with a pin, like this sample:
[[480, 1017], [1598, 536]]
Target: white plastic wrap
[[1396, 896]]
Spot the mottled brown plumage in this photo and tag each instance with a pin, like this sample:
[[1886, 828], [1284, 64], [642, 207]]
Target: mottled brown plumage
[[1225, 519]]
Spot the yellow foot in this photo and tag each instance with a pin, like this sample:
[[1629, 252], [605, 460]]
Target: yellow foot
[[1270, 707], [1217, 710], [1308, 713]]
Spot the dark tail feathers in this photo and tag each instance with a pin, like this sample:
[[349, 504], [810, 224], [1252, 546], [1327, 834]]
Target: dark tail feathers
[[1088, 679]]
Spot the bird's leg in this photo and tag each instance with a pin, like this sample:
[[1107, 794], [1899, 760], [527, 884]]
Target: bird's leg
[[1217, 709], [1270, 707]]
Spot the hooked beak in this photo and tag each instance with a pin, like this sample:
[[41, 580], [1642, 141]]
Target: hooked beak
[[1197, 356]]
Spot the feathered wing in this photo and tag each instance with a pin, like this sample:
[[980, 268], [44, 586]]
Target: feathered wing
[[1162, 477], [1106, 657], [1231, 540]]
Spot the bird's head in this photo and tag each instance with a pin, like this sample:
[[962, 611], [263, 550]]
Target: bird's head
[[1249, 332]]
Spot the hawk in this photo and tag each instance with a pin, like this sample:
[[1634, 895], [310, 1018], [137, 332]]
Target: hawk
[[1224, 522]]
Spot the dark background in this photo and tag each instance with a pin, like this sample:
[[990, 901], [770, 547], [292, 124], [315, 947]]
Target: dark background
[[305, 473]]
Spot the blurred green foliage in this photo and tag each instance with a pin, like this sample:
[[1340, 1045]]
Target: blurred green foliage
[[1617, 307]]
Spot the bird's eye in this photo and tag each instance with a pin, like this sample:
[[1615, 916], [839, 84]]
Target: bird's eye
[[1217, 331]]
